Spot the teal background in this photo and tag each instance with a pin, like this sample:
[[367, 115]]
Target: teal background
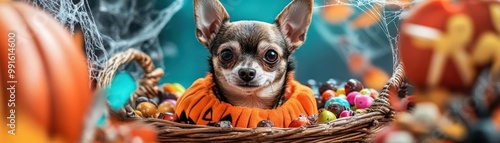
[[315, 59]]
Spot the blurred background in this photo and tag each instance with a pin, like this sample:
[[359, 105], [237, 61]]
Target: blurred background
[[331, 39]]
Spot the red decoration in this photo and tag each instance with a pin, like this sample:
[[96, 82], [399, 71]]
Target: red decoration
[[446, 44]]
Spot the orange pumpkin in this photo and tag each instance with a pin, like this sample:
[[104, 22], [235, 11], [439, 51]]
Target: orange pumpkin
[[445, 44], [51, 82]]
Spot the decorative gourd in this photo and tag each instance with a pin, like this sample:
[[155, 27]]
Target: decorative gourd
[[52, 92]]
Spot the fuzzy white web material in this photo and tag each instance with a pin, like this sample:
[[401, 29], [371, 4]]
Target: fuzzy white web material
[[367, 40], [111, 26]]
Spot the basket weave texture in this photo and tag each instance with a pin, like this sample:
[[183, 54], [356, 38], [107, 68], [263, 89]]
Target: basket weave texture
[[358, 128]]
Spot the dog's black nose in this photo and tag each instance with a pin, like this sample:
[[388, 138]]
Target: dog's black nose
[[247, 74]]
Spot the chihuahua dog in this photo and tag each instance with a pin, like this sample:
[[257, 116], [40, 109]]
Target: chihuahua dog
[[250, 60]]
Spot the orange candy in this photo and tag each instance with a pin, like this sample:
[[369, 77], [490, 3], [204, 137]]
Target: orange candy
[[169, 88], [298, 122], [147, 109], [139, 113], [166, 107], [327, 94]]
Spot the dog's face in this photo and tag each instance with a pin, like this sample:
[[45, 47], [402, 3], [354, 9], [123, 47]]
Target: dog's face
[[251, 55], [250, 59]]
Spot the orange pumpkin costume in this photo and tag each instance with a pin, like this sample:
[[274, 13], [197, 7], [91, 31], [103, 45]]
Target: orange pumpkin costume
[[200, 106]]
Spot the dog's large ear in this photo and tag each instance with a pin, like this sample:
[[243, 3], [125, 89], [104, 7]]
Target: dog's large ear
[[209, 16], [294, 21]]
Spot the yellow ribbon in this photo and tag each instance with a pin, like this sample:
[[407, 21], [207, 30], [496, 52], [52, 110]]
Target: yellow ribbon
[[450, 45], [488, 47]]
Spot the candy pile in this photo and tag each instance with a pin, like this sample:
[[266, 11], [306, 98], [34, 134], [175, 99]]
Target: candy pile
[[153, 108], [336, 102], [333, 101]]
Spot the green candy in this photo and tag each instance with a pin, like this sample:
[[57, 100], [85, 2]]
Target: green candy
[[353, 108], [179, 88], [326, 116]]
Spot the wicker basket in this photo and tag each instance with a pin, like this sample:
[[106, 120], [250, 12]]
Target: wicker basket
[[358, 128]]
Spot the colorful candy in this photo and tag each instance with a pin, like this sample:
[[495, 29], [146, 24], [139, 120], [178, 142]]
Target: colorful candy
[[172, 101], [342, 101], [342, 96], [168, 116], [319, 101], [353, 85], [326, 116], [351, 96], [341, 91], [166, 107], [154, 100], [166, 95], [224, 124], [299, 122], [179, 88], [174, 88], [327, 94], [328, 86], [363, 101], [365, 91], [140, 100], [147, 109], [265, 123], [336, 108], [345, 113], [374, 93], [360, 111], [312, 119], [138, 113]]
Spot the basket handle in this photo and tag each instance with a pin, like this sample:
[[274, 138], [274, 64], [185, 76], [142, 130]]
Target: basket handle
[[147, 85], [111, 66], [388, 98]]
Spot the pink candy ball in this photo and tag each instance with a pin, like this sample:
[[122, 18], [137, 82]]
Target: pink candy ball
[[374, 93], [363, 101], [345, 113], [351, 96], [171, 101]]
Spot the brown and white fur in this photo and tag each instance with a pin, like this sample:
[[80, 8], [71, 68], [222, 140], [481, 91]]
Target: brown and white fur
[[250, 60]]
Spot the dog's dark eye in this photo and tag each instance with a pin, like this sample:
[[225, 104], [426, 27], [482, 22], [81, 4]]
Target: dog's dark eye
[[226, 55], [271, 56]]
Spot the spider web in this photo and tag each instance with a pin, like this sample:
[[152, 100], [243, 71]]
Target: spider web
[[111, 26], [375, 41]]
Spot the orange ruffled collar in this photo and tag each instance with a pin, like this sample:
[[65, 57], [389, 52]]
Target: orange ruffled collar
[[200, 106]]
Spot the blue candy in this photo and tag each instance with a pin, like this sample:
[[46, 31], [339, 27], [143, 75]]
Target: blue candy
[[339, 100]]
